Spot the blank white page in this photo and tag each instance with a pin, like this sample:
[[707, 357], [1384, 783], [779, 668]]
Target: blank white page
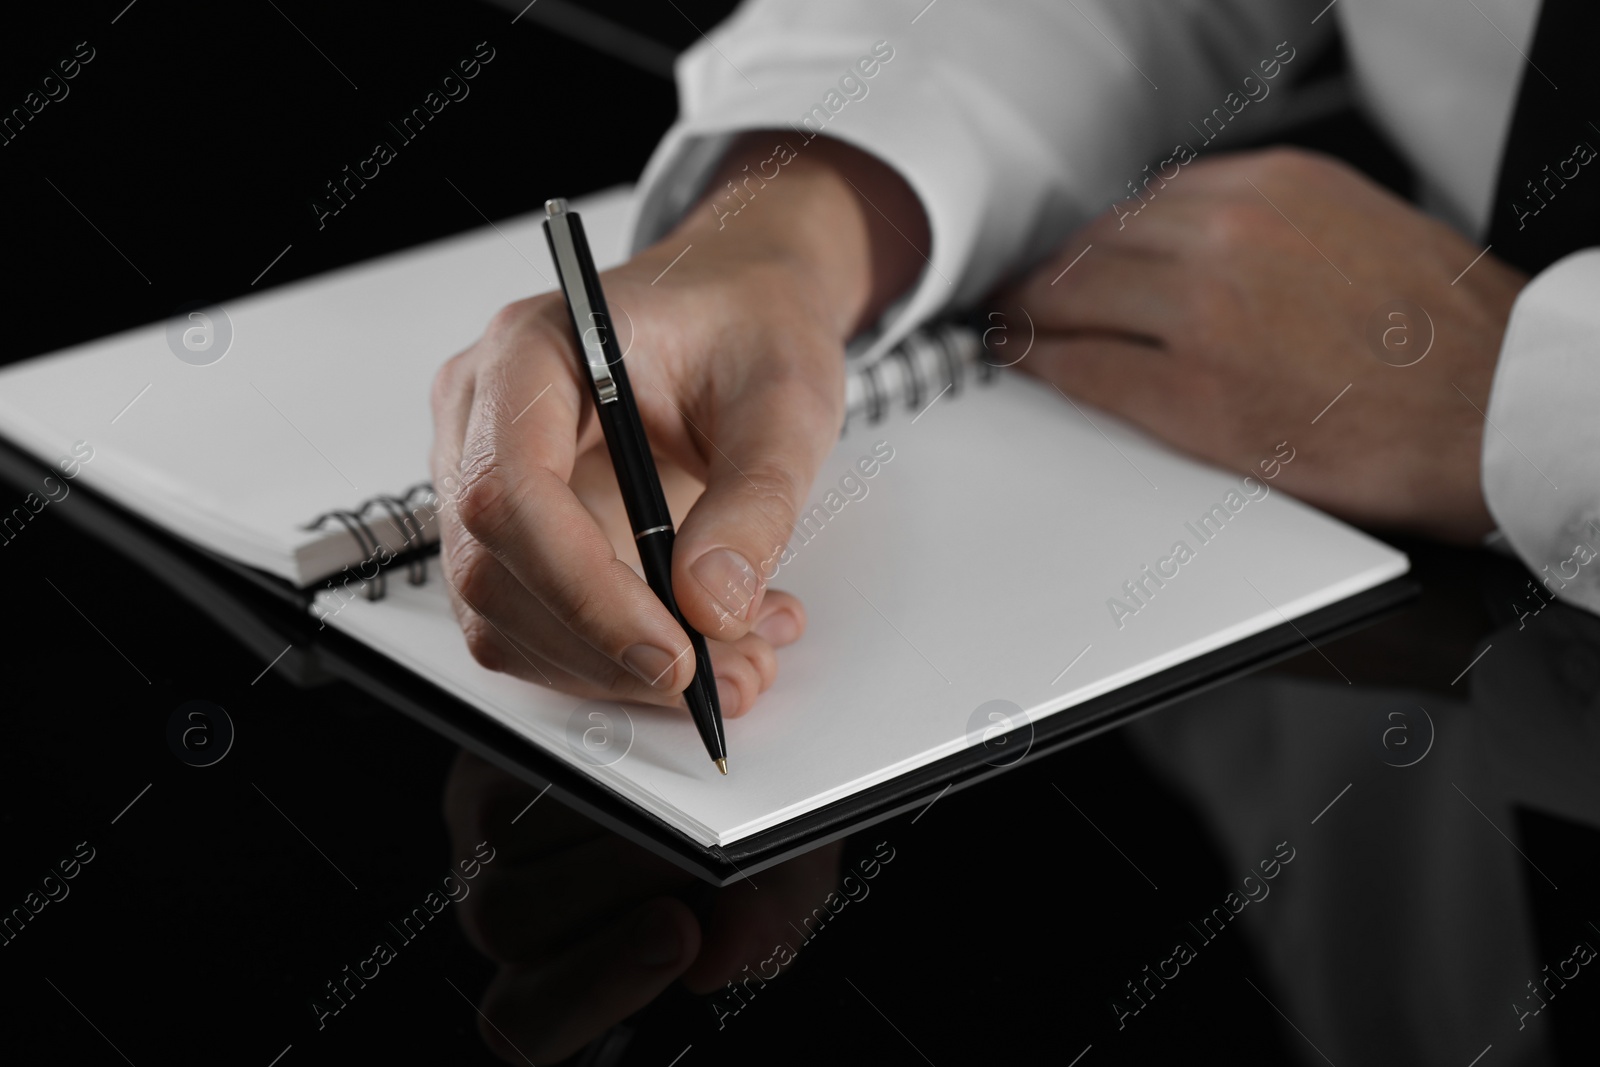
[[976, 567], [320, 402]]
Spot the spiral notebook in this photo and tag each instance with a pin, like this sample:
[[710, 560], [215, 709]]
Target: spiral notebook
[[1009, 549]]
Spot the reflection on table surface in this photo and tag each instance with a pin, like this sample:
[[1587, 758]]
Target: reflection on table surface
[[1376, 838], [1379, 851]]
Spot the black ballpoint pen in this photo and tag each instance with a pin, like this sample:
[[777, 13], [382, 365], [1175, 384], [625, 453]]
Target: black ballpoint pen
[[600, 360]]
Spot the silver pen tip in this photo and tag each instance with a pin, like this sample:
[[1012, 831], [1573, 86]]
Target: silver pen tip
[[557, 206]]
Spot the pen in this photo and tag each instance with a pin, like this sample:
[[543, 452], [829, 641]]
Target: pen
[[601, 362]]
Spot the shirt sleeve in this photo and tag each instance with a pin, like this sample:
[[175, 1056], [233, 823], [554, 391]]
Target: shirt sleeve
[[1541, 447], [1014, 121]]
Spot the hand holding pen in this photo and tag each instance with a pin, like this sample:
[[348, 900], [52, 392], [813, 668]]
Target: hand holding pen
[[734, 352]]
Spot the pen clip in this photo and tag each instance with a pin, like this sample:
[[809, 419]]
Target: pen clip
[[591, 337], [594, 354]]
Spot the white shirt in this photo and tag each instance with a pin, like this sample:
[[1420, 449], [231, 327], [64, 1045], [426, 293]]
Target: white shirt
[[1017, 121]]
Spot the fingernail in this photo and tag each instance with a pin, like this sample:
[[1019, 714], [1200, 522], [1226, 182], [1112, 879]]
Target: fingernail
[[653, 665], [779, 628], [655, 939], [730, 580], [728, 696]]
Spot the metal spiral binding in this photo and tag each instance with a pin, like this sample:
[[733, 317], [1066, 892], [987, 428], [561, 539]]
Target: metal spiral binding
[[401, 513], [915, 371]]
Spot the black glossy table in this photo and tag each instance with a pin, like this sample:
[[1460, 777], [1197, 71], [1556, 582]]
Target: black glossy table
[[1380, 851]]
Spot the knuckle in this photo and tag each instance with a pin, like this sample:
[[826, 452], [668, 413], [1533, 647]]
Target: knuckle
[[1236, 224], [473, 574], [484, 504], [483, 643], [450, 380], [509, 320], [774, 497], [774, 487]]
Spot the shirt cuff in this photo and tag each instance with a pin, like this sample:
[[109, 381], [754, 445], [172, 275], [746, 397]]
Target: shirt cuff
[[939, 146], [1541, 447]]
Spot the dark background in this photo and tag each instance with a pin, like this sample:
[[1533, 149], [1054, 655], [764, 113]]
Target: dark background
[[198, 136]]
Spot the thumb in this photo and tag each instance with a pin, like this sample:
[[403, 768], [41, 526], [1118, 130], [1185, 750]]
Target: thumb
[[762, 449]]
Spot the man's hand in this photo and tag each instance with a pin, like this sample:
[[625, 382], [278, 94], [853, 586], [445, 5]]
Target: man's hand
[[733, 330], [1230, 311]]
